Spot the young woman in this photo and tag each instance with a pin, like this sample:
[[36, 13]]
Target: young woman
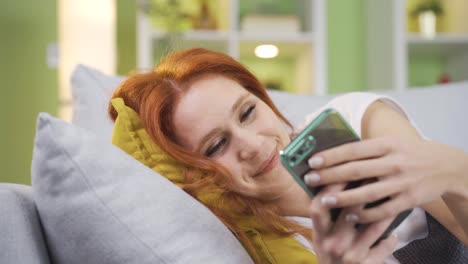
[[210, 113]]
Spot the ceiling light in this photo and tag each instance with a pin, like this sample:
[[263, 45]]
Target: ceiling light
[[266, 51]]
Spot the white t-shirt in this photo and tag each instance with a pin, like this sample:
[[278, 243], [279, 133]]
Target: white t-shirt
[[352, 107]]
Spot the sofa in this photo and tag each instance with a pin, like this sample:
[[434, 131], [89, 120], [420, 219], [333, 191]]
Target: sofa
[[89, 202]]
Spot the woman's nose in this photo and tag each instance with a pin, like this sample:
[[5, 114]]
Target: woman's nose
[[249, 145], [247, 153]]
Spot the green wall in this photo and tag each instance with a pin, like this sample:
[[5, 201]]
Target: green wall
[[126, 36], [347, 51], [28, 85]]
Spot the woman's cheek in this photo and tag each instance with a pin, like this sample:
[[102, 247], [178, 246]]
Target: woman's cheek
[[266, 122], [229, 163]]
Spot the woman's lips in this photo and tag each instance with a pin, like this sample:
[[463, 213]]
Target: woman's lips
[[269, 164]]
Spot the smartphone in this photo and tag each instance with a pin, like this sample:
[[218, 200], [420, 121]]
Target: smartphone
[[328, 130]]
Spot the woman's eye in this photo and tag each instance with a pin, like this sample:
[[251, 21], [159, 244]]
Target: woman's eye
[[212, 150], [247, 113]]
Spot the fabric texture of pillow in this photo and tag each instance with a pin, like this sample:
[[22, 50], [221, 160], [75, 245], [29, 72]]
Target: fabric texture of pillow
[[91, 92], [130, 135], [99, 205]]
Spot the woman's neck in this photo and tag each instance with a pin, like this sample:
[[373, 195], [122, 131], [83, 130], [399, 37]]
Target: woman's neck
[[294, 201]]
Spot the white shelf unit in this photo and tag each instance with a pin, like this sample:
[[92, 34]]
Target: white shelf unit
[[391, 48], [308, 47]]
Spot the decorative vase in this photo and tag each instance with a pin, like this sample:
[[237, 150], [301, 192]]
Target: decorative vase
[[427, 24]]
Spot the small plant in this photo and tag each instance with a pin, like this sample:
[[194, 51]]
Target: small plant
[[429, 5], [169, 15]]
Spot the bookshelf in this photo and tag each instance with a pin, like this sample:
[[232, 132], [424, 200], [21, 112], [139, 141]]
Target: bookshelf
[[298, 31]]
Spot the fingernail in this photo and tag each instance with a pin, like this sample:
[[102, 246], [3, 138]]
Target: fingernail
[[328, 200], [351, 218], [311, 178], [315, 162]]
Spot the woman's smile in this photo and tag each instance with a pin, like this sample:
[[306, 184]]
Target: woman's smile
[[268, 165]]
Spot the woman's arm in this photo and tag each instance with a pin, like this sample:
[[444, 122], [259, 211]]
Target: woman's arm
[[413, 171], [381, 120]]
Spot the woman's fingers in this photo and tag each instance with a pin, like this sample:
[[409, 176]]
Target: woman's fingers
[[345, 244], [361, 247], [320, 221], [342, 235], [363, 194], [320, 215], [352, 151], [388, 209], [351, 171], [383, 250]]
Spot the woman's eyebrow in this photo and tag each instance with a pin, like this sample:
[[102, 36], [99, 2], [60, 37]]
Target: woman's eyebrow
[[216, 130], [238, 102], [207, 137]]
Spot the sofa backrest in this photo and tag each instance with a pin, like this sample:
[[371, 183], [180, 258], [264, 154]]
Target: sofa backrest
[[440, 111]]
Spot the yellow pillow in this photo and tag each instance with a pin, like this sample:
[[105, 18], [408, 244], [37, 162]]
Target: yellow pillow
[[130, 135]]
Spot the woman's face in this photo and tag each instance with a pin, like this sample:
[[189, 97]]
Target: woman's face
[[221, 120]]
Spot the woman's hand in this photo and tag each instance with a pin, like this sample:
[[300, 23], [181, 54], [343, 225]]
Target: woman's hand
[[410, 172], [340, 242]]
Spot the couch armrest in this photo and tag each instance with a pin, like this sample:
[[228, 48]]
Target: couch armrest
[[21, 237]]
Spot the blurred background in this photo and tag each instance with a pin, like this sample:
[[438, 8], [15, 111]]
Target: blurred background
[[301, 46]]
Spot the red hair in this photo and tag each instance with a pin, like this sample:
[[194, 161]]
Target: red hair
[[155, 94]]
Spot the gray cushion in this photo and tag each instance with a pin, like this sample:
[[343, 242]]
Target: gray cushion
[[91, 92], [21, 239], [99, 205]]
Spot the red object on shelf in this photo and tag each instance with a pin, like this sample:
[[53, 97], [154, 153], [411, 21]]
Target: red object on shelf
[[444, 78]]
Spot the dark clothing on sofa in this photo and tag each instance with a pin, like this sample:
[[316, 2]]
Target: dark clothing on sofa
[[440, 246]]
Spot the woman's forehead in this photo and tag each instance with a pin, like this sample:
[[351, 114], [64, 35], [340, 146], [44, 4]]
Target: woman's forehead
[[207, 104], [212, 90]]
